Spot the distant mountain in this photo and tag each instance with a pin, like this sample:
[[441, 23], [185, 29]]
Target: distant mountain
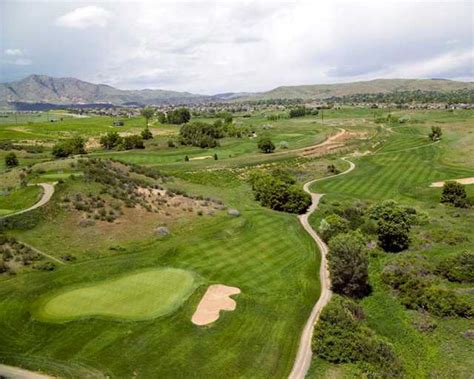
[[45, 90], [324, 91]]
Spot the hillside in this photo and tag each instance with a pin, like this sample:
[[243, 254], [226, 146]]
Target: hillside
[[45, 89], [42, 89], [323, 91]]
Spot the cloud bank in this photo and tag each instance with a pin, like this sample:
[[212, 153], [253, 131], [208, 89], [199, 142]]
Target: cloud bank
[[84, 17], [241, 45]]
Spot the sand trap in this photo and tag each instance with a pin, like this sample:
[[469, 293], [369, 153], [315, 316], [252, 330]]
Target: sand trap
[[462, 181], [216, 298], [200, 158]]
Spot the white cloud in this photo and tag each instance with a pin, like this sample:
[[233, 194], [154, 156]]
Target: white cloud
[[16, 57], [210, 46], [14, 52], [82, 18]]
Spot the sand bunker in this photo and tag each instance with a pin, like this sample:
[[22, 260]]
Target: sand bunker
[[201, 158], [216, 298], [462, 181]]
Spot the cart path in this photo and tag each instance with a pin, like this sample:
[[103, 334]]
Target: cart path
[[304, 354], [11, 372]]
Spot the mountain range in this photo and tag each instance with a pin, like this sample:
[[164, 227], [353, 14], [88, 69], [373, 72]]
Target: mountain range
[[42, 89]]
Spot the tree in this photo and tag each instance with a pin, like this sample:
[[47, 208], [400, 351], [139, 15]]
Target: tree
[[349, 265], [60, 150], [436, 133], [132, 142], [146, 133], [76, 145], [148, 113], [393, 225], [200, 134], [393, 237], [215, 157], [178, 116], [298, 112], [278, 192], [186, 158], [333, 225], [266, 145], [110, 140], [454, 193], [228, 118], [11, 160], [161, 117]]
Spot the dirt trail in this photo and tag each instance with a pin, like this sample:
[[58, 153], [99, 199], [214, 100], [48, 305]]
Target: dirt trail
[[304, 354], [43, 253], [335, 139], [11, 372], [48, 191]]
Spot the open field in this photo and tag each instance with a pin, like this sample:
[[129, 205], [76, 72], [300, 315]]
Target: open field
[[116, 293]]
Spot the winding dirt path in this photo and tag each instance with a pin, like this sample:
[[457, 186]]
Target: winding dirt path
[[19, 373], [48, 191], [303, 357]]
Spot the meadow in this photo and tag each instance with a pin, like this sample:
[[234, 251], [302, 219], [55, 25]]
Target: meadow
[[76, 320]]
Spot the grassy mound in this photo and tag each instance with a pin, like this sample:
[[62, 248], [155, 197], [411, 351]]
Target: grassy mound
[[138, 296]]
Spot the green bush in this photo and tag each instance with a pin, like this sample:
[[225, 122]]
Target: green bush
[[11, 160], [417, 288], [201, 134], [266, 145], [299, 112], [393, 225], [146, 133], [454, 193], [340, 336], [348, 264], [436, 133], [332, 225], [132, 142], [277, 191], [73, 146], [178, 116], [459, 268], [110, 140]]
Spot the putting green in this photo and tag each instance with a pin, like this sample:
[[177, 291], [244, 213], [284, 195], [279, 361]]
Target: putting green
[[138, 296]]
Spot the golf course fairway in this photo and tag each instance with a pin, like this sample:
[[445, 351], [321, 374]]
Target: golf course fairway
[[138, 296]]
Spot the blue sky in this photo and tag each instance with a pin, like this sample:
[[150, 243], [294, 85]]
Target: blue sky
[[220, 46]]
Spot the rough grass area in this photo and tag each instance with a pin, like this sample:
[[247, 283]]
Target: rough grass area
[[139, 296], [19, 199]]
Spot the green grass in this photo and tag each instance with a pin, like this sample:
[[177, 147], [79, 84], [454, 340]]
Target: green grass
[[19, 199], [403, 170], [137, 296], [266, 254]]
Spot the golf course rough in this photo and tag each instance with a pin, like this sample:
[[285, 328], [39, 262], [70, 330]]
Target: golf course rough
[[138, 296]]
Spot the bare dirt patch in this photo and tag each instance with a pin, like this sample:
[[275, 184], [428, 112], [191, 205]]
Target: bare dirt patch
[[333, 143], [92, 144], [216, 299], [461, 181]]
